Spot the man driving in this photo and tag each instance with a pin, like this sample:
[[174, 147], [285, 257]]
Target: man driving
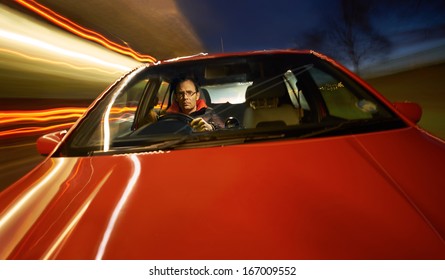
[[187, 101]]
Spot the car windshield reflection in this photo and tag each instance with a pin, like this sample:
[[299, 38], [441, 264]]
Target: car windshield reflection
[[236, 100]]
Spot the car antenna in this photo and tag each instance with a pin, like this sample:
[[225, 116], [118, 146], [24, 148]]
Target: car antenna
[[222, 44]]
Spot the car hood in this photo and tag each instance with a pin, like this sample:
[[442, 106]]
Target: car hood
[[372, 196]]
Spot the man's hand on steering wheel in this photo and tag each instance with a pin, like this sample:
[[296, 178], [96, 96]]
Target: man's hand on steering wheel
[[200, 125]]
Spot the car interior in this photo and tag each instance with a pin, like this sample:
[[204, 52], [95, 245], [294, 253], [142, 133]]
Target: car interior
[[268, 104], [250, 96], [234, 93]]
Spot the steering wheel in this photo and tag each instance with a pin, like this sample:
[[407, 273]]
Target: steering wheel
[[176, 116], [175, 123]]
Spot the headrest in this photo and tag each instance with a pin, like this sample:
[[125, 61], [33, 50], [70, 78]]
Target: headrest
[[204, 94], [266, 88]]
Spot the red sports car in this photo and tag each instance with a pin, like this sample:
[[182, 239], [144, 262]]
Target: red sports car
[[303, 160]]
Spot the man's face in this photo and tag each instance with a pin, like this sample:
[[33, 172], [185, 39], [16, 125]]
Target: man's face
[[186, 96]]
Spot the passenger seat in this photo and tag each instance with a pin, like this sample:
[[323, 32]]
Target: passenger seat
[[268, 104]]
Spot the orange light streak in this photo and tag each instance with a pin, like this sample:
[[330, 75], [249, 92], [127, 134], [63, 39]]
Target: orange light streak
[[83, 32], [9, 117], [45, 112], [34, 130], [41, 116], [55, 62], [39, 119]]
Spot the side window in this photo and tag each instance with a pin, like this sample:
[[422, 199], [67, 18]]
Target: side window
[[154, 103], [162, 97], [123, 109], [113, 116], [340, 101]]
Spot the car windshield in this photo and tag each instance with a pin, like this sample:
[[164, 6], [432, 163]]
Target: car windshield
[[258, 97]]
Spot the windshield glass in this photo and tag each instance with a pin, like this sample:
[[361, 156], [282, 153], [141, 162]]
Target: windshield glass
[[256, 97]]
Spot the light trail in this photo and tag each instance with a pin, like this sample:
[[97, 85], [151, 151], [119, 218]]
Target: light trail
[[34, 130], [39, 119], [31, 117], [9, 117], [35, 47], [83, 32], [38, 59], [52, 48]]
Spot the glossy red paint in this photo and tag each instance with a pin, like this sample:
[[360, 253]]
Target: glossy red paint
[[48, 142], [349, 197], [375, 195]]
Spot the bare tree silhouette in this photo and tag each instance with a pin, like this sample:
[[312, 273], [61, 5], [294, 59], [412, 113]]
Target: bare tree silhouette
[[354, 35], [349, 35]]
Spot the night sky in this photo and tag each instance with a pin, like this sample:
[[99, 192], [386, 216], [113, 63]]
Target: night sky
[[237, 25], [250, 24]]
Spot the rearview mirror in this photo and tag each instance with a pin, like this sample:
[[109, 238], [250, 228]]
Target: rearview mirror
[[48, 142], [411, 110]]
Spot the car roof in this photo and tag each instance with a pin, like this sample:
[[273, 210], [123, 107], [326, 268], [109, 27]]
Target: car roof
[[205, 56]]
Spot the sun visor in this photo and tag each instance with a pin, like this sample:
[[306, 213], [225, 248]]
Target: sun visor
[[227, 72]]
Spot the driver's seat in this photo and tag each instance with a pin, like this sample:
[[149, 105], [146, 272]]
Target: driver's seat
[[204, 94]]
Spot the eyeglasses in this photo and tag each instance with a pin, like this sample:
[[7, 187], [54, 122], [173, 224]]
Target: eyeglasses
[[187, 93]]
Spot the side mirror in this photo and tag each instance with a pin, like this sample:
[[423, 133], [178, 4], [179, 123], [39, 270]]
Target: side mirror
[[411, 110], [48, 142]]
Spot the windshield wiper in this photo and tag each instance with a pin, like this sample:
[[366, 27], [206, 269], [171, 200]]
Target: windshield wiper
[[230, 137], [159, 145]]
